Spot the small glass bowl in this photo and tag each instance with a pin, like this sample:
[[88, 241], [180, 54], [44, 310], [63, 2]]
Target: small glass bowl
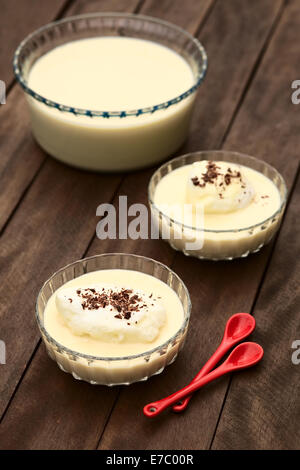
[[114, 370], [105, 140], [218, 244]]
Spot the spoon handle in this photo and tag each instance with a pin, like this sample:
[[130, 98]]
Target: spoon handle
[[156, 407], [222, 349], [244, 355]]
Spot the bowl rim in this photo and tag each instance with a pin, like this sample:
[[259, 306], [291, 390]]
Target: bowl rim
[[89, 357], [107, 114], [217, 152]]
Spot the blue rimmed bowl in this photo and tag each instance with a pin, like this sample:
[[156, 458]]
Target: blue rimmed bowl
[[104, 140]]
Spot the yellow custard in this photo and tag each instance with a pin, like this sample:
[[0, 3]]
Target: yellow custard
[[264, 202], [84, 343], [231, 209], [111, 73], [98, 340]]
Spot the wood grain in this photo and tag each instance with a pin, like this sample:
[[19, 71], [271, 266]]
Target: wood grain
[[186, 17], [52, 422], [92, 6], [17, 20], [262, 410], [202, 278]]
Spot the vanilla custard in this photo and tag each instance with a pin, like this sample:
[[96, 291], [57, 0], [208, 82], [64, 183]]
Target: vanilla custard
[[113, 313], [111, 74], [232, 198]]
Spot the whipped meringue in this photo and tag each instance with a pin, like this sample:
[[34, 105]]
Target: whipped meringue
[[112, 314], [220, 187]]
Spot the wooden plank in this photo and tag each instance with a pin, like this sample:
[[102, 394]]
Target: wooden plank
[[17, 20], [172, 10], [127, 428], [79, 430], [93, 6], [262, 409]]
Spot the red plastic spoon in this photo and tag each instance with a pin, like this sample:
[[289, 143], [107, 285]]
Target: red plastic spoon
[[238, 327], [244, 355]]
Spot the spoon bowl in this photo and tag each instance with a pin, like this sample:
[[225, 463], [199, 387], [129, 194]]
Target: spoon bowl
[[238, 327], [244, 355]]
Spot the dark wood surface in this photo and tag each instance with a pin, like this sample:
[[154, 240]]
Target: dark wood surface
[[47, 219]]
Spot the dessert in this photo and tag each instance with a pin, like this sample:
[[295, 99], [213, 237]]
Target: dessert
[[240, 206], [116, 101], [125, 322]]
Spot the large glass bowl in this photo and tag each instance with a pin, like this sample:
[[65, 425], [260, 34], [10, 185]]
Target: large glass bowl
[[101, 139], [218, 244], [114, 370]]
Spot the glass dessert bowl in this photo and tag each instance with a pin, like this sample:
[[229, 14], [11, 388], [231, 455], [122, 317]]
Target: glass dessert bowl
[[110, 92], [238, 201], [120, 331]]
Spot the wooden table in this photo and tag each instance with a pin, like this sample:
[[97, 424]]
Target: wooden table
[[48, 219]]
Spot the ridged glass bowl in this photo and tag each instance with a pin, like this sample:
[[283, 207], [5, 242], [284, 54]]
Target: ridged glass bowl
[[106, 140], [218, 244], [114, 370]]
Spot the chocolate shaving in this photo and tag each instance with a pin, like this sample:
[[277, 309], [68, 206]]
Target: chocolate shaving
[[123, 301], [227, 179], [211, 175]]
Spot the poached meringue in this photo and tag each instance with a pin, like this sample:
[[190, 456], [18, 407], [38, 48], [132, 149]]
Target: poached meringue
[[218, 187], [111, 313]]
